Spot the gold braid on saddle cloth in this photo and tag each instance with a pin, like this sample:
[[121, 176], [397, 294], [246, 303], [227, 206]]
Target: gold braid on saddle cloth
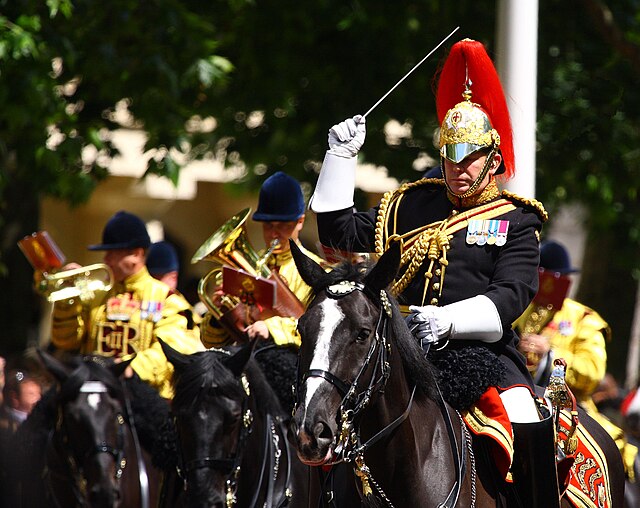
[[431, 242]]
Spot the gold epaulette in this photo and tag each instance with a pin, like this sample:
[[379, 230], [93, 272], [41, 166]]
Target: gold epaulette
[[528, 202], [410, 185]]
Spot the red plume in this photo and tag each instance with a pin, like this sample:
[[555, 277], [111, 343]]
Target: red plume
[[470, 58]]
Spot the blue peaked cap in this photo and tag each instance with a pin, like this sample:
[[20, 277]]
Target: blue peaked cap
[[123, 231], [162, 258], [280, 199], [554, 257]]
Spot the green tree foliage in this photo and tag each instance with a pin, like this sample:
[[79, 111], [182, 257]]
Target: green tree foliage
[[277, 74], [589, 145], [64, 66]]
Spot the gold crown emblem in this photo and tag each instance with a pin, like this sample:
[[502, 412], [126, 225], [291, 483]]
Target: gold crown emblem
[[121, 307], [467, 123]]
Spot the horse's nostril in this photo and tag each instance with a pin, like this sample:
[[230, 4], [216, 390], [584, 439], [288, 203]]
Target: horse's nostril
[[322, 431]]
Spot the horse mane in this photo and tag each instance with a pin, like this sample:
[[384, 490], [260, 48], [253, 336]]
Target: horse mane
[[419, 370], [150, 411], [85, 368], [207, 373]]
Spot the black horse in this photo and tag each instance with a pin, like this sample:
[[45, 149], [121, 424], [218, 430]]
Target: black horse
[[368, 396], [80, 446], [233, 448]]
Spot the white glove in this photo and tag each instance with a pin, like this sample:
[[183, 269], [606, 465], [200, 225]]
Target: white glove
[[346, 138], [429, 324], [475, 318]]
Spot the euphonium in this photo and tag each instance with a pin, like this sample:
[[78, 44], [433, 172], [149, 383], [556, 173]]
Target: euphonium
[[230, 246], [212, 282]]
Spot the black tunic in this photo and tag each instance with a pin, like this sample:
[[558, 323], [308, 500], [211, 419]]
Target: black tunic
[[507, 274]]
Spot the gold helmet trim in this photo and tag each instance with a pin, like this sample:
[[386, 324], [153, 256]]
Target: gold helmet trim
[[466, 129]]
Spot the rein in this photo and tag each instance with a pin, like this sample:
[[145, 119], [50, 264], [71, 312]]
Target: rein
[[274, 433], [60, 437], [349, 447]]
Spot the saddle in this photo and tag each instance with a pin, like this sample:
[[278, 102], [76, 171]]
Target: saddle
[[582, 469]]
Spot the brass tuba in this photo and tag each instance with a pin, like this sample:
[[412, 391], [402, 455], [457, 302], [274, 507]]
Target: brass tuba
[[230, 246], [46, 257]]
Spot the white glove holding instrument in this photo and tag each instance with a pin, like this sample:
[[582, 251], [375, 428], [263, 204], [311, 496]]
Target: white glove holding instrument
[[337, 180], [346, 138], [472, 319]]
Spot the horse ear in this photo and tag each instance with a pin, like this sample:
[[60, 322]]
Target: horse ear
[[117, 369], [179, 360], [239, 360], [309, 270], [385, 270], [54, 366]]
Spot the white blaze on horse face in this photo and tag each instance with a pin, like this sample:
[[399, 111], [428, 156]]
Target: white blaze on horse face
[[94, 389], [93, 399], [331, 315]]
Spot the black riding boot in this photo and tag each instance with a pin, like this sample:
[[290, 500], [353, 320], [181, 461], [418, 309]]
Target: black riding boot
[[534, 464]]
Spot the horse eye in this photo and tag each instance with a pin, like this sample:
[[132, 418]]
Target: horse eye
[[363, 335]]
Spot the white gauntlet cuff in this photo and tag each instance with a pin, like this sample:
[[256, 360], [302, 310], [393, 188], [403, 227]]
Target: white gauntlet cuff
[[475, 318], [336, 184]]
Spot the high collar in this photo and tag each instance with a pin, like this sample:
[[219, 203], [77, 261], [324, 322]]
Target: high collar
[[489, 193], [279, 259], [132, 280]]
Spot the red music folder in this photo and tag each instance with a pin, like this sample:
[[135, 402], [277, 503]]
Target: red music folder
[[552, 290], [41, 251], [250, 289]]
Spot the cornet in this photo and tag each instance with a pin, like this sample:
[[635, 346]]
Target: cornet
[[83, 283], [45, 256]]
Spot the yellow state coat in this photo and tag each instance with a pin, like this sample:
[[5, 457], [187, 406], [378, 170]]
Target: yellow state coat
[[128, 319]]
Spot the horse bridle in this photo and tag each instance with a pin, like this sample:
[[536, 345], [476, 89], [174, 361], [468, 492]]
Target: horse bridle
[[349, 447], [232, 465], [353, 403], [75, 465]]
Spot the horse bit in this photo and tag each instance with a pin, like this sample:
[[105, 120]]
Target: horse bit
[[232, 465], [349, 447], [117, 452]]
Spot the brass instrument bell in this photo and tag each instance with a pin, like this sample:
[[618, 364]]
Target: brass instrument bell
[[46, 258], [229, 246]]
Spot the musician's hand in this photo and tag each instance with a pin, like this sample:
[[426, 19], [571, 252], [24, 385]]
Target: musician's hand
[[216, 297], [346, 138], [70, 266], [257, 330], [534, 343], [128, 372]]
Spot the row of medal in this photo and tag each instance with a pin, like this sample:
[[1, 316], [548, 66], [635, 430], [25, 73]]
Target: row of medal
[[123, 307], [487, 231]]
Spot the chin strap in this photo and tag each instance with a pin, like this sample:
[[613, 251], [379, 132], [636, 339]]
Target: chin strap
[[477, 182]]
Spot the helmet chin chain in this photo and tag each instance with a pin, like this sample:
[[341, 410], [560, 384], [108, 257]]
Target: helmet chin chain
[[474, 186]]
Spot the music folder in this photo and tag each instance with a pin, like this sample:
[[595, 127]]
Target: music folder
[[250, 289], [41, 251], [552, 289]]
